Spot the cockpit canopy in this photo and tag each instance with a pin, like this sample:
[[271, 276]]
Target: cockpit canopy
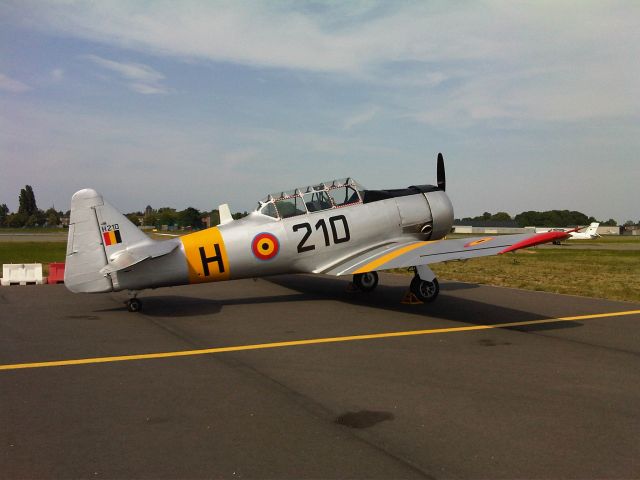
[[314, 198]]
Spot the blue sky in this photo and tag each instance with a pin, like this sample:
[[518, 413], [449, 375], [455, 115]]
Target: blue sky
[[535, 105]]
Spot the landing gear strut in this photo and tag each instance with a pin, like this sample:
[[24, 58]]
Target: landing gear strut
[[133, 304], [366, 282]]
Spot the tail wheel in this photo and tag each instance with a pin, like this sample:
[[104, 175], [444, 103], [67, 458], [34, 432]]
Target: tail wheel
[[424, 290], [366, 282]]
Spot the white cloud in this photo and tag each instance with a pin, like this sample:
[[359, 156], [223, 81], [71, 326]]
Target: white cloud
[[57, 74], [11, 85], [147, 89], [132, 71], [361, 117], [569, 93], [142, 78], [586, 53], [339, 39]]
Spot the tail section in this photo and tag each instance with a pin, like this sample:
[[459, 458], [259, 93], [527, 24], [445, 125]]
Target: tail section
[[97, 231], [593, 229]]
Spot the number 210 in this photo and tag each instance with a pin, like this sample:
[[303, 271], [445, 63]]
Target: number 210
[[323, 225]]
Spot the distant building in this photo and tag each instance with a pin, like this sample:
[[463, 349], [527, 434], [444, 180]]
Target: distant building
[[629, 230], [482, 227], [608, 230], [487, 223], [469, 229]]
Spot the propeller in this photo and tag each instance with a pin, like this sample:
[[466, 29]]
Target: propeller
[[442, 183]]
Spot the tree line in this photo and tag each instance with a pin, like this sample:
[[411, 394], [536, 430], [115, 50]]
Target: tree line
[[548, 218], [189, 217], [29, 215]]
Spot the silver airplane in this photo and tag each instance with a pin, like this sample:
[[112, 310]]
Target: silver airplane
[[333, 228]]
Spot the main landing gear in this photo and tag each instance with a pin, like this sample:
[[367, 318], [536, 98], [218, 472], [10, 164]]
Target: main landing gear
[[365, 282], [424, 290], [133, 304], [424, 287]]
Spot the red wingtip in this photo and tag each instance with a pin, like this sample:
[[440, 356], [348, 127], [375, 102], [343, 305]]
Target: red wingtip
[[537, 240]]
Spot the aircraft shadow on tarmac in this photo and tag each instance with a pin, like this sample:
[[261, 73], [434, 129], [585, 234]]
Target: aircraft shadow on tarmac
[[184, 306], [446, 307], [323, 288]]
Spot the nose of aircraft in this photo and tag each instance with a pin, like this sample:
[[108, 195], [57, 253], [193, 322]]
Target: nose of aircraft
[[442, 213]]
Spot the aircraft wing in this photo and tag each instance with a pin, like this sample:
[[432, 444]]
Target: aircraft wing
[[410, 254]]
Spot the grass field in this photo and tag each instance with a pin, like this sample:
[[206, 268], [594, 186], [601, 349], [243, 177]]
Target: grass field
[[612, 274], [33, 252], [608, 240], [34, 230], [605, 239]]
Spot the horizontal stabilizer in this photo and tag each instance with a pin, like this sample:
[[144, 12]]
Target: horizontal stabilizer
[[138, 253]]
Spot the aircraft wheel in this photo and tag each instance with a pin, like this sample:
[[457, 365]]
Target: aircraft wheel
[[134, 305], [366, 282], [424, 290]]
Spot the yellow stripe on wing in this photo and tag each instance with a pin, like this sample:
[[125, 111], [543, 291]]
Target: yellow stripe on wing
[[373, 265]]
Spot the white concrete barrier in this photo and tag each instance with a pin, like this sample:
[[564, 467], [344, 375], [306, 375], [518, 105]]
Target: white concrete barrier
[[21, 274]]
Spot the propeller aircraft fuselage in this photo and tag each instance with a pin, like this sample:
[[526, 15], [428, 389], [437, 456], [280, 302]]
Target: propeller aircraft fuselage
[[334, 228]]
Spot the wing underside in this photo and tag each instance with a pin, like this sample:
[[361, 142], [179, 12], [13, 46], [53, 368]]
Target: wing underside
[[410, 254]]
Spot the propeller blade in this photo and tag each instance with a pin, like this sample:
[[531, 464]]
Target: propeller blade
[[442, 183]]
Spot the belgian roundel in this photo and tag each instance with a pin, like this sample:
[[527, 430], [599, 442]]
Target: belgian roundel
[[265, 246]]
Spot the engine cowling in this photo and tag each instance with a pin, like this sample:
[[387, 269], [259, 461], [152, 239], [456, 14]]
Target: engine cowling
[[441, 214]]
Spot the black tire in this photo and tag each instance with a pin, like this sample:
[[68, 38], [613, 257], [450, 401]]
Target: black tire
[[134, 305], [424, 290], [367, 282]]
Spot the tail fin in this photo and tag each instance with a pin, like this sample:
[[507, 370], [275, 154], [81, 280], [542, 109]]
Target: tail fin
[[96, 231], [593, 229]]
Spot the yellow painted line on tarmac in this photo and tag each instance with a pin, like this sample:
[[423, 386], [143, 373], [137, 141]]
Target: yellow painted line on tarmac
[[312, 341]]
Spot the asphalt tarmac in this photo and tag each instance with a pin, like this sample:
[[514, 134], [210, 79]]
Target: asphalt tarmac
[[316, 387]]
